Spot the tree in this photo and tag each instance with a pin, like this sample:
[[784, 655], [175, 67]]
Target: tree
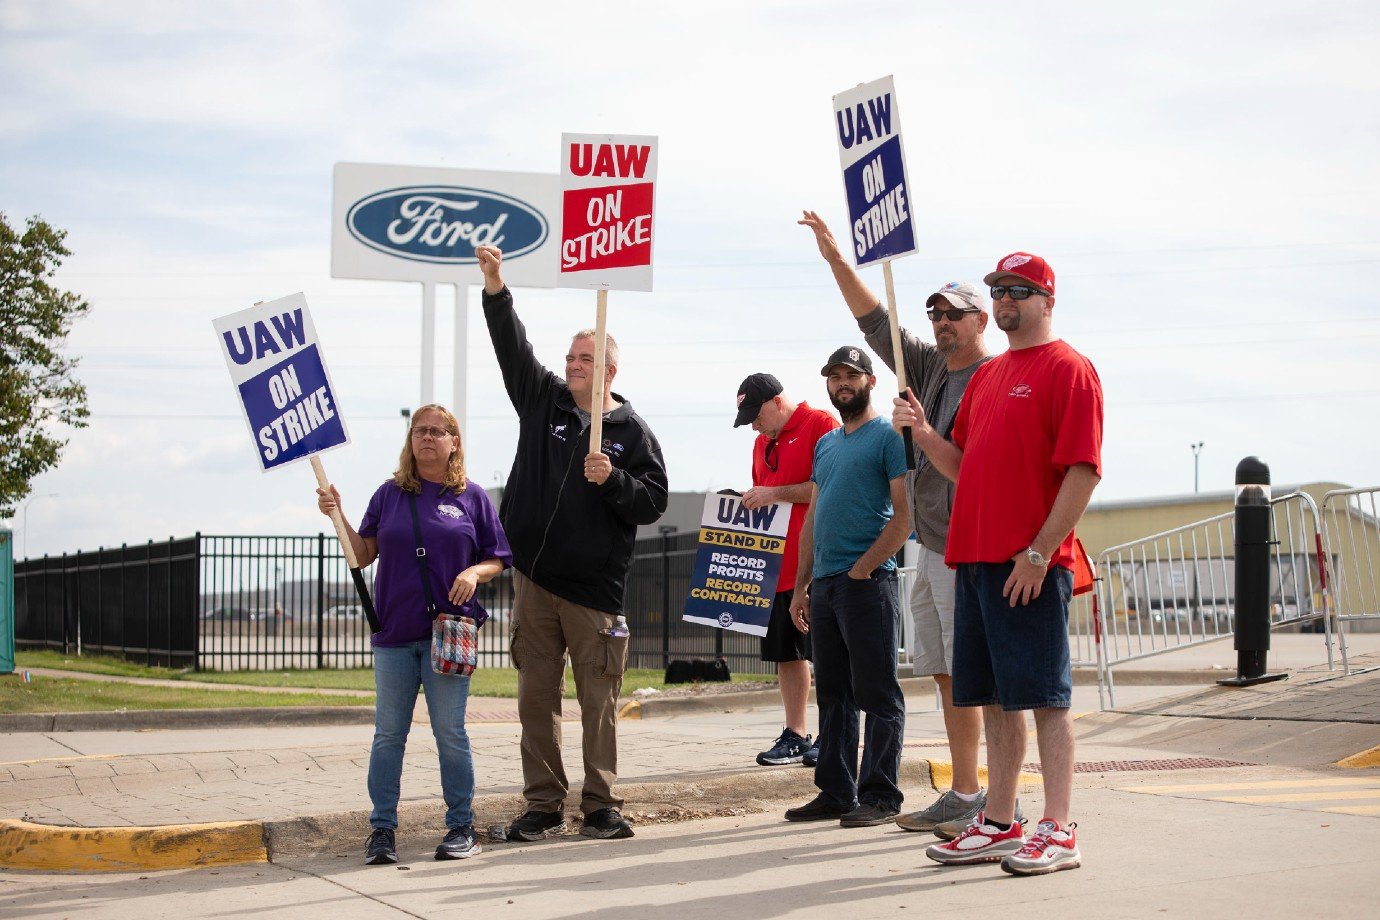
[[38, 393]]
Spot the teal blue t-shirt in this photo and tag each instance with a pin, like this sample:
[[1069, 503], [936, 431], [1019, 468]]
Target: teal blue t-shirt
[[854, 473]]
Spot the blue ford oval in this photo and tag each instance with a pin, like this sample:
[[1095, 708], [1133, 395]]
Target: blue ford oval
[[444, 223]]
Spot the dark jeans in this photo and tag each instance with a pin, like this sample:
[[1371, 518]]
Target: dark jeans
[[853, 628]]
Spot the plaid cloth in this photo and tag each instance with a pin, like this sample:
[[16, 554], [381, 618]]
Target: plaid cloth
[[454, 645]]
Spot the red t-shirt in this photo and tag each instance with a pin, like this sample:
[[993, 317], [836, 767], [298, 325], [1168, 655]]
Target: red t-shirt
[[1026, 417], [793, 458]]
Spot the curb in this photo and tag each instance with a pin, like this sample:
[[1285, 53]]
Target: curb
[[24, 845], [142, 719]]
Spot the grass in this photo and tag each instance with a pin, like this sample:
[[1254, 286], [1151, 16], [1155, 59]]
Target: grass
[[60, 694], [499, 682]]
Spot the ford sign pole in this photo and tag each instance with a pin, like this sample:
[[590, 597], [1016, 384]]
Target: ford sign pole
[[1252, 527]]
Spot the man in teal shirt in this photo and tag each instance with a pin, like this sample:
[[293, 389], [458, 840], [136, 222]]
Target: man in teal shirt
[[846, 598]]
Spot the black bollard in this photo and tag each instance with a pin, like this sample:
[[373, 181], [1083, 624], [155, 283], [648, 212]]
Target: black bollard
[[1252, 631]]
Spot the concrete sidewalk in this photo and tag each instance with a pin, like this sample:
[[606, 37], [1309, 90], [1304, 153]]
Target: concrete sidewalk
[[301, 790]]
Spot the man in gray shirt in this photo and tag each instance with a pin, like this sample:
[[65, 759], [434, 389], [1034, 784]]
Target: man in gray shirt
[[939, 373]]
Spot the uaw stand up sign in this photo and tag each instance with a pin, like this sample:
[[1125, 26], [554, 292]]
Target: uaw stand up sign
[[881, 220], [286, 396], [738, 564]]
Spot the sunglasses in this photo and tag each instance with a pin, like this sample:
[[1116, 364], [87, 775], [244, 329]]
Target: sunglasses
[[769, 455], [1017, 291], [952, 316]]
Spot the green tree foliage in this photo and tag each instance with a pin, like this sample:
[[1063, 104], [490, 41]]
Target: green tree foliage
[[38, 393]]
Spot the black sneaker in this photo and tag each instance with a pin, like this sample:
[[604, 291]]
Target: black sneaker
[[534, 825], [869, 814], [460, 843], [811, 756], [380, 850], [606, 824], [789, 748], [818, 809]]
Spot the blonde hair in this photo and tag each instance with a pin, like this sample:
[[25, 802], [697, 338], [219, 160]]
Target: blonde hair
[[406, 478], [610, 346]]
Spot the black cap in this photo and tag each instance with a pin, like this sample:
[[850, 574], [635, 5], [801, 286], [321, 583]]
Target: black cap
[[755, 390], [850, 355]]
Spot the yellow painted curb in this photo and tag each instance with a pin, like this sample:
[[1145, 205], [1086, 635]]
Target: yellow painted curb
[[942, 776], [632, 709], [1362, 760], [122, 849]]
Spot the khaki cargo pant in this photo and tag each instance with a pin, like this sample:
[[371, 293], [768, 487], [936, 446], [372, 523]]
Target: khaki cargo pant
[[543, 628]]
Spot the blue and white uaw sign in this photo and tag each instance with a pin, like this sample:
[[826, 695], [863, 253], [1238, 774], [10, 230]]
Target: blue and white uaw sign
[[284, 389], [737, 565], [868, 126]]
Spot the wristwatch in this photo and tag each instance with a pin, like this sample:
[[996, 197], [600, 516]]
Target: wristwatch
[[1036, 559]]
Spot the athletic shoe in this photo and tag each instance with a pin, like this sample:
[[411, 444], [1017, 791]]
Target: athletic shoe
[[868, 814], [380, 850], [948, 807], [460, 843], [948, 830], [534, 825], [980, 842], [789, 748], [818, 809], [811, 756], [1050, 849], [606, 824]]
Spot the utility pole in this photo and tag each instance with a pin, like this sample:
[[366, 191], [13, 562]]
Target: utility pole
[[1197, 448]]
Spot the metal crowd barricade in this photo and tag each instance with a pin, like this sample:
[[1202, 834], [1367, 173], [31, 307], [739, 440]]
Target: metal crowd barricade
[[1351, 534], [1176, 589]]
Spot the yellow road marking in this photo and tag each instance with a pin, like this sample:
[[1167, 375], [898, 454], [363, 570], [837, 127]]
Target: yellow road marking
[[1262, 784], [1355, 810], [1302, 796], [1362, 760]]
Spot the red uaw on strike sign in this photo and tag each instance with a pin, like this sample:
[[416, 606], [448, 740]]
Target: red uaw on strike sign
[[607, 197]]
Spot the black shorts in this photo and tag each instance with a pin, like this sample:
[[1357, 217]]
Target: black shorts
[[783, 642]]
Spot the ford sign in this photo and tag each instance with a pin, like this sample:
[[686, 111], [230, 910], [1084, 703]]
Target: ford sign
[[443, 224]]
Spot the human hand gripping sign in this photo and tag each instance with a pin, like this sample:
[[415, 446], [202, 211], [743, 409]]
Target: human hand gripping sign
[[598, 468]]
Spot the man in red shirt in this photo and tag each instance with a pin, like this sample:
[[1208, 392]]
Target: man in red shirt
[[1026, 453], [782, 457]]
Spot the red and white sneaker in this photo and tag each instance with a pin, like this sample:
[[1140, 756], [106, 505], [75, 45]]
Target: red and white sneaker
[[980, 842], [1050, 849]]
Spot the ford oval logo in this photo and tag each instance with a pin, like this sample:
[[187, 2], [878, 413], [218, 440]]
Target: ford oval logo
[[444, 223]]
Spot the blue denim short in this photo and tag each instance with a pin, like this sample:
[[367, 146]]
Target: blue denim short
[[1017, 657]]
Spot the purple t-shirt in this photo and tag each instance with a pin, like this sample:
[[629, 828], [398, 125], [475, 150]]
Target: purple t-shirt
[[457, 531]]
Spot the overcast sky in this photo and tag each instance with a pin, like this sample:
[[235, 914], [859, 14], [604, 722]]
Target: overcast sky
[[1202, 176]]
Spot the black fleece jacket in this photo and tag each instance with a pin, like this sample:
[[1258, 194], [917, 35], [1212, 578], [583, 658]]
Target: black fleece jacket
[[570, 536]]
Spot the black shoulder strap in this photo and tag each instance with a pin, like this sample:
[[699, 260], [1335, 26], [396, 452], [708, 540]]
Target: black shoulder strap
[[421, 557]]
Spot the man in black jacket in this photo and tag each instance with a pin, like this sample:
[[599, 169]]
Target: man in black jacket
[[571, 517]]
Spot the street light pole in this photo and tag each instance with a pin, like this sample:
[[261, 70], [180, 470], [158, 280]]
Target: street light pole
[[32, 499], [1197, 448]]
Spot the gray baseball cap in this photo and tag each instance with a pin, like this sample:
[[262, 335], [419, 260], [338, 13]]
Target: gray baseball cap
[[961, 295]]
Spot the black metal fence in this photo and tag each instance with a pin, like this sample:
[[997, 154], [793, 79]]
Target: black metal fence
[[270, 603]]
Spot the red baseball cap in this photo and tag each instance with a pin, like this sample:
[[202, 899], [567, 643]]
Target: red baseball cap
[[1024, 265]]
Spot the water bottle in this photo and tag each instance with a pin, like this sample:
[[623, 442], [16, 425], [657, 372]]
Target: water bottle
[[618, 630]]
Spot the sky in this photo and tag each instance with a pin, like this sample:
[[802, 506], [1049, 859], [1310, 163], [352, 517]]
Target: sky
[[1202, 176]]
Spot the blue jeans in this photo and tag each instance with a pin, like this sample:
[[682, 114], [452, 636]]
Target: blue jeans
[[853, 631], [398, 672], [1017, 657]]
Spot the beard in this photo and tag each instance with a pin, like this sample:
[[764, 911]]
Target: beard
[[855, 406], [1008, 322]]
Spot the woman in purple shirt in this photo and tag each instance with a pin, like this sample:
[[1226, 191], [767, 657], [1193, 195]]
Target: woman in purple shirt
[[465, 546]]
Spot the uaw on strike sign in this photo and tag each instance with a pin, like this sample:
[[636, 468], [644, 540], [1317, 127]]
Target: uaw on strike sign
[[737, 565], [608, 185], [285, 392], [868, 126]]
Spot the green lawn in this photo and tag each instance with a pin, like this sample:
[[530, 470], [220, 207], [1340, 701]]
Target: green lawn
[[60, 694], [501, 682]]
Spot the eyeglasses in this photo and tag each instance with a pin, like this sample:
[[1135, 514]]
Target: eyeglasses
[[1017, 291], [422, 431], [952, 316], [769, 455]]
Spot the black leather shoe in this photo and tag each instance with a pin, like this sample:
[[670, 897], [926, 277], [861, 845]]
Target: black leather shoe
[[818, 809], [869, 814]]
